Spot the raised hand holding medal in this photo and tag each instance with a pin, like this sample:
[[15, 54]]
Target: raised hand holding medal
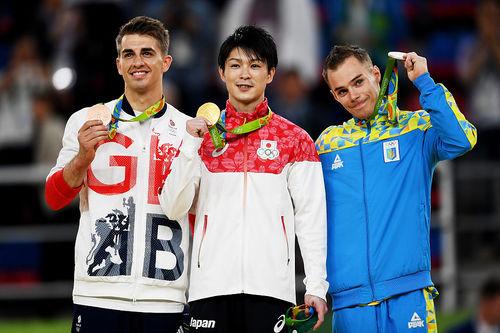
[[211, 113], [99, 112], [212, 116]]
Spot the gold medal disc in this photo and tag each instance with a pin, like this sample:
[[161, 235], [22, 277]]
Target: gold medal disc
[[99, 112], [209, 111]]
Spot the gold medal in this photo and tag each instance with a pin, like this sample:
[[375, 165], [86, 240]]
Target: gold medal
[[209, 111], [99, 112]]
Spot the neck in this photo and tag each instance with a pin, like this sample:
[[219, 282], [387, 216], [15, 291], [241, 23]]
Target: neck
[[141, 101], [245, 107]]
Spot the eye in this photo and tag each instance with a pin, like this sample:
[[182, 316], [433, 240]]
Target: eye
[[234, 65], [342, 92], [359, 82], [147, 53], [256, 66], [127, 55]]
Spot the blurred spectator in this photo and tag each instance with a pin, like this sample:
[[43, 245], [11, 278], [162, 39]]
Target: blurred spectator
[[24, 76], [292, 23], [379, 26], [291, 99], [49, 129], [479, 69], [487, 318], [193, 27]]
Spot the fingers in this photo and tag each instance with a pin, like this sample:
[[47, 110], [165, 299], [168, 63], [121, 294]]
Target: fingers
[[197, 127], [410, 60], [320, 306], [415, 65], [92, 132]]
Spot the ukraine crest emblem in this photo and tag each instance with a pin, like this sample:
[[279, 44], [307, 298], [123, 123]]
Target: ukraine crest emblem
[[391, 151]]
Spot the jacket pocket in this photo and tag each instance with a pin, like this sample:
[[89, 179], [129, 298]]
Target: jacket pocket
[[286, 240], [205, 224]]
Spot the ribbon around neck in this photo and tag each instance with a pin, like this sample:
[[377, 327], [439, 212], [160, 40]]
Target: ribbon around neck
[[389, 84], [218, 131], [145, 115]]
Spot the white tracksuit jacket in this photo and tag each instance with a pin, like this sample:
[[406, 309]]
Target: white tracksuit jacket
[[250, 200], [128, 255]]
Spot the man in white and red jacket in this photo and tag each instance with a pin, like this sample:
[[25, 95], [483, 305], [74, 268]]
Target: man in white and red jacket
[[251, 197], [130, 259]]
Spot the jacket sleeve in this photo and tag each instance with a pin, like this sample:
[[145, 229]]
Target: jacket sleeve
[[181, 186], [58, 194], [450, 135], [307, 190]]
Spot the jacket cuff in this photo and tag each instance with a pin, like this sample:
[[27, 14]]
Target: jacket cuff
[[58, 193], [424, 83], [190, 145], [317, 288]]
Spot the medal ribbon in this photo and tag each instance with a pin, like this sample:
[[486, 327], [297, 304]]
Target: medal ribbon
[[145, 115], [389, 80], [218, 131]]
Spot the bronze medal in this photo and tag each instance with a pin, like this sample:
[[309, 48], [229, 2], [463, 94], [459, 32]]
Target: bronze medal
[[99, 112]]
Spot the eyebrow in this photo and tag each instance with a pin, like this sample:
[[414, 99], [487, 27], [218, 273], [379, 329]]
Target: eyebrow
[[150, 49], [354, 79], [240, 60]]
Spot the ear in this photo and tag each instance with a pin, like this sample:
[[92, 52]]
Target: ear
[[118, 66], [270, 75], [376, 73], [167, 61], [221, 74]]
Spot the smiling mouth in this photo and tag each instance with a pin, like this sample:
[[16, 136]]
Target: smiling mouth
[[359, 105], [139, 74], [244, 86]]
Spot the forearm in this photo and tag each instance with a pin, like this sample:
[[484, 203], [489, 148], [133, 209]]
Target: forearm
[[181, 185], [308, 194], [74, 172], [455, 135]]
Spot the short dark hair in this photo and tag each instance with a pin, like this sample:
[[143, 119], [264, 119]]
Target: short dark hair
[[339, 53], [254, 41], [143, 25]]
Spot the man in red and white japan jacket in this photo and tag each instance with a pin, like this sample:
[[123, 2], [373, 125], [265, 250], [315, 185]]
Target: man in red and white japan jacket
[[250, 197]]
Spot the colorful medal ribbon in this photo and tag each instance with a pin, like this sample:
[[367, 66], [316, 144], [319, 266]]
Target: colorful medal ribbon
[[218, 131], [145, 115], [301, 318], [389, 80]]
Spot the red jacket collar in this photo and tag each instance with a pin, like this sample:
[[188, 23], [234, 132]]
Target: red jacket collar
[[235, 118]]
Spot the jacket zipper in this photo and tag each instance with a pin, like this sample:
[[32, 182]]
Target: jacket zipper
[[205, 222], [245, 174], [366, 212], [286, 240]]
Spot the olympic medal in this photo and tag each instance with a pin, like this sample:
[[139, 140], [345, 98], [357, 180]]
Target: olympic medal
[[209, 111], [99, 112], [397, 55]]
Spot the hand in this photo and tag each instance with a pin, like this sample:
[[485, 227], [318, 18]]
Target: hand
[[197, 127], [90, 134], [415, 65], [319, 305]]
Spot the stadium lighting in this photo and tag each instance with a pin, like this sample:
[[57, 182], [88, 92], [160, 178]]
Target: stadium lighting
[[63, 78]]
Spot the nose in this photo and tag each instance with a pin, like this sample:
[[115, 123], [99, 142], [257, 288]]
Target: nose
[[137, 61], [245, 72], [353, 94]]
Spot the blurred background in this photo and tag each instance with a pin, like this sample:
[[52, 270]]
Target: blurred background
[[57, 56]]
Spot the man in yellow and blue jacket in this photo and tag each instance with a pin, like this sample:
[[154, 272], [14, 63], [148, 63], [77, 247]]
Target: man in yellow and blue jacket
[[378, 170]]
